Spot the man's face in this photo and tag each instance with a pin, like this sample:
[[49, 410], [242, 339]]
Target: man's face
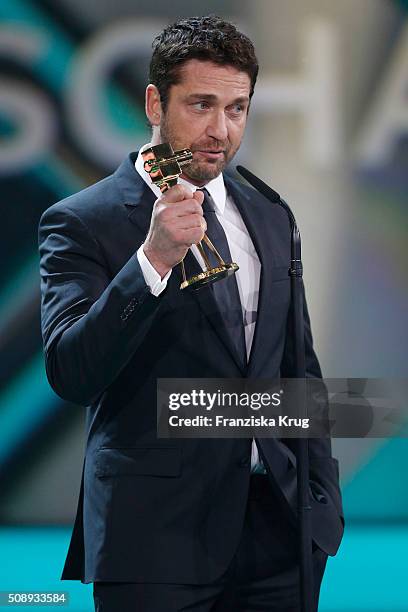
[[206, 113]]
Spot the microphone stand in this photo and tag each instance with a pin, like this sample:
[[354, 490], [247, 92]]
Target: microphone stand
[[302, 451]]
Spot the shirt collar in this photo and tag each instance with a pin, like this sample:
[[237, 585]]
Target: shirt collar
[[215, 187]]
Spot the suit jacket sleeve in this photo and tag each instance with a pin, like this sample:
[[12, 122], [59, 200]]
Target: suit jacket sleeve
[[91, 323]]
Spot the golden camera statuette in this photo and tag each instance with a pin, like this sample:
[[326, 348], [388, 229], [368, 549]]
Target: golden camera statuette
[[164, 167]]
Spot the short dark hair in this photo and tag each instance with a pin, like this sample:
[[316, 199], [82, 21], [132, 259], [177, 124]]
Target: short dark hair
[[208, 38]]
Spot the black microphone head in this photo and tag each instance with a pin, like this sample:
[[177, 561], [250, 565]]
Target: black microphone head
[[268, 192]]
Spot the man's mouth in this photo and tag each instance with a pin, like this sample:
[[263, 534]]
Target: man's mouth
[[210, 154]]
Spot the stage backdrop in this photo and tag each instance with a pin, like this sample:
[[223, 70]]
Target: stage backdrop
[[327, 129]]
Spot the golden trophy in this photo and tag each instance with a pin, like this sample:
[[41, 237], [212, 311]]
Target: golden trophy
[[164, 167]]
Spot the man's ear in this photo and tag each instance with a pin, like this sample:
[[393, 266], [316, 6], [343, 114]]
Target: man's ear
[[153, 105]]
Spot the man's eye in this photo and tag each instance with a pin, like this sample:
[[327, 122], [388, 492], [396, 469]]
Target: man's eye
[[237, 109], [200, 105]]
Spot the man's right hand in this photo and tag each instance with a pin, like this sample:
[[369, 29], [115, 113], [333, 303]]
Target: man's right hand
[[177, 223]]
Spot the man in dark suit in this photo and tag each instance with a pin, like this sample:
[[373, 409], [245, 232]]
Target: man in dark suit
[[197, 524]]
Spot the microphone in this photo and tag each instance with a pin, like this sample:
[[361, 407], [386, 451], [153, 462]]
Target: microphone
[[259, 185], [269, 193], [302, 451]]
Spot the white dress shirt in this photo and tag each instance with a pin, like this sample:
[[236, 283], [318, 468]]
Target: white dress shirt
[[242, 252]]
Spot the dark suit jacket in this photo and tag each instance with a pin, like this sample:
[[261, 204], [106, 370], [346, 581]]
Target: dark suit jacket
[[150, 509]]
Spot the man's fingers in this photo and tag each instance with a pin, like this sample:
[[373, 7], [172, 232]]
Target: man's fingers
[[178, 193], [189, 207], [181, 209], [192, 236], [199, 196], [191, 221]]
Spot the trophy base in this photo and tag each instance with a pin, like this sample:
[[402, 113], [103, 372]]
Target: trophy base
[[206, 277]]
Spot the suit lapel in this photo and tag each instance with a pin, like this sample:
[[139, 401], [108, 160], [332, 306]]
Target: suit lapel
[[256, 216], [207, 302], [137, 197]]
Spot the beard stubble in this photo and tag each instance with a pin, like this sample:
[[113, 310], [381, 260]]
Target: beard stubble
[[200, 171]]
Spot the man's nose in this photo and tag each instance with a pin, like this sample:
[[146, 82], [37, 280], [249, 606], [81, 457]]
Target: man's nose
[[217, 128]]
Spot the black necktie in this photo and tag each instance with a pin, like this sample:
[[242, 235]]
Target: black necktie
[[225, 290]]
